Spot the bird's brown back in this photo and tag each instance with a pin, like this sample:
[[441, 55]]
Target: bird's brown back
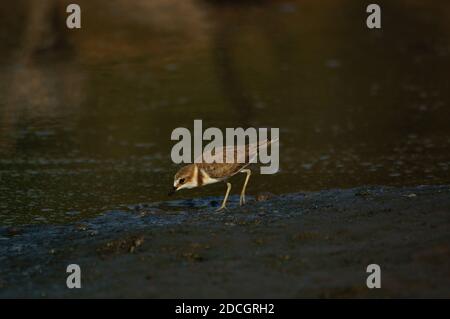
[[241, 154], [221, 170]]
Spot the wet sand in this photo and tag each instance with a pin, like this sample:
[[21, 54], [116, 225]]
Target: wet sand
[[314, 244]]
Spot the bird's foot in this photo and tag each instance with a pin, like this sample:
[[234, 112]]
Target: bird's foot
[[221, 208], [242, 201]]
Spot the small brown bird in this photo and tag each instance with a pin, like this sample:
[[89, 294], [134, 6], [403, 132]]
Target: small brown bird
[[205, 173]]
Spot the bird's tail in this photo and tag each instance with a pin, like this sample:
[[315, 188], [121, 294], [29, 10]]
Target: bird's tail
[[267, 142]]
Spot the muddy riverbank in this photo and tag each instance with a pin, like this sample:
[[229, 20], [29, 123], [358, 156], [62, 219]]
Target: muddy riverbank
[[314, 244]]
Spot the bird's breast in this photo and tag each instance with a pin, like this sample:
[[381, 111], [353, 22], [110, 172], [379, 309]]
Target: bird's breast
[[205, 179]]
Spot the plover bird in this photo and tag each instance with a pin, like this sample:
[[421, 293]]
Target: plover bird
[[201, 174]]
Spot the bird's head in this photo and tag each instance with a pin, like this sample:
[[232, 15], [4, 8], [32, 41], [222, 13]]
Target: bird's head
[[186, 177]]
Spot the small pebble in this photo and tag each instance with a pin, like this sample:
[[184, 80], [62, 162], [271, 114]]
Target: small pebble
[[264, 196], [14, 231]]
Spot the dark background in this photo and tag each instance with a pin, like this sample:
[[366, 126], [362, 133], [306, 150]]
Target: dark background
[[85, 123], [86, 115]]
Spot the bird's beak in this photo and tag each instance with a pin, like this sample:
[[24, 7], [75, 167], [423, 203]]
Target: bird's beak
[[172, 191]]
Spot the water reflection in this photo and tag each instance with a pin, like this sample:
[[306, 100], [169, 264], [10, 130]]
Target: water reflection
[[86, 115]]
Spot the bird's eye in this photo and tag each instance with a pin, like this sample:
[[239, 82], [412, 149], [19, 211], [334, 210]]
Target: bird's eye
[[181, 180]]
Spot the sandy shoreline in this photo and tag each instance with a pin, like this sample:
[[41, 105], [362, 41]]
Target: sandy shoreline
[[297, 245]]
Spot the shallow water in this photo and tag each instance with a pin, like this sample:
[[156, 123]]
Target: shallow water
[[86, 115]]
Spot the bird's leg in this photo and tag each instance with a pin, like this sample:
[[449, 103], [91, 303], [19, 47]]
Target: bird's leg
[[226, 197], [242, 199]]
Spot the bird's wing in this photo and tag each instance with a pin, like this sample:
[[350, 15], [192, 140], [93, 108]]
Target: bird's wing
[[220, 170], [240, 153]]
